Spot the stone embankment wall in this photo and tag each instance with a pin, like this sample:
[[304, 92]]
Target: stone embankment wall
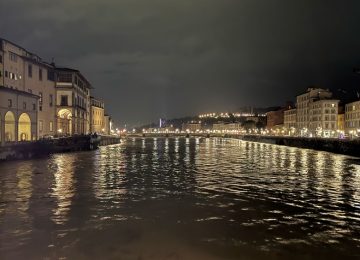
[[28, 150], [341, 146]]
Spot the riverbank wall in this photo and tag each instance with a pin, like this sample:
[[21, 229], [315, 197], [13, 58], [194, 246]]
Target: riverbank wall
[[40, 148], [340, 146]]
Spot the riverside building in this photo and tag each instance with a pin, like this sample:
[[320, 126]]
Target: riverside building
[[107, 124], [290, 121], [275, 118], [227, 127], [323, 119], [73, 102], [352, 118], [29, 94], [97, 116], [303, 107]]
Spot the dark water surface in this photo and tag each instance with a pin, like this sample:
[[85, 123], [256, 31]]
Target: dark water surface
[[182, 199]]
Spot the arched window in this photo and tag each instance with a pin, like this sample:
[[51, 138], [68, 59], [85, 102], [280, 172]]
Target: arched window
[[64, 122], [24, 128], [9, 127]]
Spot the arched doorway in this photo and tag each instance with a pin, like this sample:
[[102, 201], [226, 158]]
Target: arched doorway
[[64, 122], [9, 127], [24, 128]]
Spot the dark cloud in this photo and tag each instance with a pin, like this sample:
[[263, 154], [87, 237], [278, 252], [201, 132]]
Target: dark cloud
[[167, 58]]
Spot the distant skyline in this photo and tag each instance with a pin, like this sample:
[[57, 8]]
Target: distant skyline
[[168, 58]]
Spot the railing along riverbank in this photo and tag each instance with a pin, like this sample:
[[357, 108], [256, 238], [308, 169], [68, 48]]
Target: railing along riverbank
[[28, 150]]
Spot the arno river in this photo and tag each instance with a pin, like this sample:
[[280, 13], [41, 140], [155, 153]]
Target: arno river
[[182, 199]]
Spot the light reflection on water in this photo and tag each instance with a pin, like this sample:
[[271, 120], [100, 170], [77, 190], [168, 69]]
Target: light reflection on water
[[181, 198]]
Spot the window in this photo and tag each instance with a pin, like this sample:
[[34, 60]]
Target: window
[[6, 74], [51, 126], [34, 107], [24, 105], [41, 125], [9, 102], [41, 97], [65, 77], [51, 100], [40, 101], [30, 71], [40, 74], [12, 56], [1, 59], [50, 75], [64, 100]]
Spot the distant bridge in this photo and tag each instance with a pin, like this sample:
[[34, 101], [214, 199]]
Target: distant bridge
[[179, 134]]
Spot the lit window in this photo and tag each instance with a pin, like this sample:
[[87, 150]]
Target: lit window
[[41, 125]]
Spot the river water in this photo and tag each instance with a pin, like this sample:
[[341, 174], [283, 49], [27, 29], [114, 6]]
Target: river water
[[181, 198]]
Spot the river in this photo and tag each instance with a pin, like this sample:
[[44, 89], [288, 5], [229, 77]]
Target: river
[[181, 198]]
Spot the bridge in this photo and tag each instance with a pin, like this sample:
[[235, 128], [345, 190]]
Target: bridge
[[181, 134]]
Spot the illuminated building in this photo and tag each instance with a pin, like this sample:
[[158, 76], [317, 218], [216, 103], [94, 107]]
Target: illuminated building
[[352, 118], [226, 127], [192, 126], [303, 105], [73, 102], [341, 122], [18, 114], [275, 118], [24, 71], [97, 116], [323, 119], [290, 119], [107, 125]]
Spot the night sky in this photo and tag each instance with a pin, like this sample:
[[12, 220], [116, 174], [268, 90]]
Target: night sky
[[171, 58]]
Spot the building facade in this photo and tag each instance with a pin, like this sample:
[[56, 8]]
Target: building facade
[[72, 102], [352, 118], [274, 118], [227, 127], [18, 116], [97, 116], [341, 123], [191, 126], [290, 119], [323, 119], [303, 105], [25, 71], [107, 124]]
